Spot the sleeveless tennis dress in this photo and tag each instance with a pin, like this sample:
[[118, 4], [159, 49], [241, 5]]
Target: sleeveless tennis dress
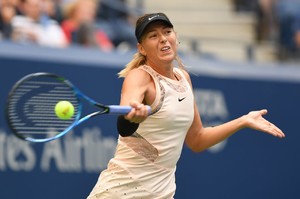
[[144, 164]]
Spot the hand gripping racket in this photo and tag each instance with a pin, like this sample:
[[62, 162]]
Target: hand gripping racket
[[32, 100]]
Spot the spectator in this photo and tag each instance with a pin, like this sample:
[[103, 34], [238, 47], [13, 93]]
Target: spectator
[[117, 20], [244, 5], [7, 12], [295, 55], [287, 12], [53, 8], [34, 26], [13, 3], [297, 33], [80, 28], [266, 22]]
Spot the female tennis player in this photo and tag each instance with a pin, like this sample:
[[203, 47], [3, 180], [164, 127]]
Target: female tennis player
[[149, 146]]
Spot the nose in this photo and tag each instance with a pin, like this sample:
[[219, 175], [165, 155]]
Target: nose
[[163, 40]]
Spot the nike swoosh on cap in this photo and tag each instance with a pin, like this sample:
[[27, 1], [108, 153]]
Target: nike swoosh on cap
[[150, 18]]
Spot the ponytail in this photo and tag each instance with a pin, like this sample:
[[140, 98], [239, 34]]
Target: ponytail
[[138, 60], [180, 64]]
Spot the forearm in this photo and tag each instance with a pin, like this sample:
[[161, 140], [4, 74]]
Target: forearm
[[209, 136], [199, 138]]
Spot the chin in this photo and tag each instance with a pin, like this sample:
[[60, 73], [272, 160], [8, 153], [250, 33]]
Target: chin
[[169, 57]]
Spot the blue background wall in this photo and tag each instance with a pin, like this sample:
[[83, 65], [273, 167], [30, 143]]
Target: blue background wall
[[248, 165]]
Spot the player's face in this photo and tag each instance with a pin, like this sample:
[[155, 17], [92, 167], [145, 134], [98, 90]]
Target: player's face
[[159, 44]]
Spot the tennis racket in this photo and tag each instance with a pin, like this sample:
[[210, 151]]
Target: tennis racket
[[31, 104]]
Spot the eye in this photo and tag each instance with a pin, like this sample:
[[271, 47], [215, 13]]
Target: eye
[[168, 31], [152, 35]]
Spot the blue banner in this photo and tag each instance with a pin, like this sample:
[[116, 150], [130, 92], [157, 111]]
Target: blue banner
[[248, 165]]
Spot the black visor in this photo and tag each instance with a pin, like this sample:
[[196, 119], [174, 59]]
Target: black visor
[[140, 28]]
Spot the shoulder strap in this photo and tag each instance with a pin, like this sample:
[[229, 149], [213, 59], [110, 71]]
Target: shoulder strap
[[159, 89]]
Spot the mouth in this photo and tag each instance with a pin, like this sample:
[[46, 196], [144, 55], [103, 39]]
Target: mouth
[[165, 48]]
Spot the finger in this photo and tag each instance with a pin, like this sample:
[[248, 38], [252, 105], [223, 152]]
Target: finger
[[278, 131], [274, 130], [138, 113], [263, 111], [141, 111], [135, 104], [135, 107], [144, 110], [131, 114]]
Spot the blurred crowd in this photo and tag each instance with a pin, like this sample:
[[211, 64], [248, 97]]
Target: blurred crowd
[[109, 24], [103, 24], [277, 21]]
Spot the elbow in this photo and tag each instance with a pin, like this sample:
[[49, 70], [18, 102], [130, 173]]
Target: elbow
[[195, 142], [196, 147]]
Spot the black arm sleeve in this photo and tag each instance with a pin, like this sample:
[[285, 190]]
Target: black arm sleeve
[[125, 127]]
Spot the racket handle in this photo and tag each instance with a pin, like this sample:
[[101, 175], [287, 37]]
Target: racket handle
[[116, 109]]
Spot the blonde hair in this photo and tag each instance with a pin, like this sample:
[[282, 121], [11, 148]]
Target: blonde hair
[[139, 60]]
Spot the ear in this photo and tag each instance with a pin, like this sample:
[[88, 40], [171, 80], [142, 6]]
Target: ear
[[141, 49]]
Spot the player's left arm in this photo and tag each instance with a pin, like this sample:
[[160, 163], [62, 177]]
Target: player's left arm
[[199, 138]]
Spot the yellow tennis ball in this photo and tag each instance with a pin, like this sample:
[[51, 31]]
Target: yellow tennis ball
[[64, 110]]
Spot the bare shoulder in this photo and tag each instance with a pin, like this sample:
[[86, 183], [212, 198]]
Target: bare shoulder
[[138, 71], [138, 74], [138, 77], [136, 86]]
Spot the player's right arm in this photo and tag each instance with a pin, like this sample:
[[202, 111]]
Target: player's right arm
[[137, 91]]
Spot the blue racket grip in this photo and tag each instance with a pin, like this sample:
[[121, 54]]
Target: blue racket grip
[[116, 109]]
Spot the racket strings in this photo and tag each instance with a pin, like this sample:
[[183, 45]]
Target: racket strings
[[31, 108]]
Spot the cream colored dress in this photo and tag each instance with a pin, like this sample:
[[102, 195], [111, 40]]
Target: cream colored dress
[[144, 164]]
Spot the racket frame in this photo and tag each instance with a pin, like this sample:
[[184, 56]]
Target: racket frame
[[105, 109]]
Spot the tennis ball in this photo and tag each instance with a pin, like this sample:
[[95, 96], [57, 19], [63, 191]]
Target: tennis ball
[[64, 110]]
